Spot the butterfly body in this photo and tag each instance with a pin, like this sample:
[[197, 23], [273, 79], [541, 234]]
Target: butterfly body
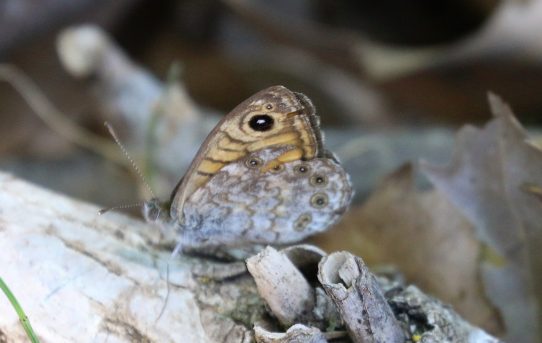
[[262, 176]]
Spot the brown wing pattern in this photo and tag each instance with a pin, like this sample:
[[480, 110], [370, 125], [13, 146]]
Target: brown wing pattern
[[273, 117]]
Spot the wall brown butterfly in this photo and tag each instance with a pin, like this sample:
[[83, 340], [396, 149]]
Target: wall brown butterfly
[[262, 176]]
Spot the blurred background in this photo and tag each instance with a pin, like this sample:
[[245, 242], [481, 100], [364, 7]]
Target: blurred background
[[391, 80], [402, 69], [397, 74]]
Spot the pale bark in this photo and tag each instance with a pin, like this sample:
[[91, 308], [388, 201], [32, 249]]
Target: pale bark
[[82, 277]]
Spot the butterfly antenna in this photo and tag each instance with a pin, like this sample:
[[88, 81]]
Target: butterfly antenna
[[127, 155], [119, 207], [174, 254]]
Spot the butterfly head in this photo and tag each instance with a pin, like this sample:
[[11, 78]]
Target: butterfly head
[[156, 211]]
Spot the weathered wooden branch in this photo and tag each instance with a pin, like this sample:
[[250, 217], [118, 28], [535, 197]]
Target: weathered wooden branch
[[355, 291], [83, 277]]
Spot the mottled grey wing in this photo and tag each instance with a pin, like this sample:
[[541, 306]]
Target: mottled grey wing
[[241, 205]]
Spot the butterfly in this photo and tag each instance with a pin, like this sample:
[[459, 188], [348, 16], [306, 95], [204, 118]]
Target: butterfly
[[262, 176]]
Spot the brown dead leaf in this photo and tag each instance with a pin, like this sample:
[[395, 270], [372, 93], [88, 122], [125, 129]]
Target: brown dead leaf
[[486, 180], [425, 236]]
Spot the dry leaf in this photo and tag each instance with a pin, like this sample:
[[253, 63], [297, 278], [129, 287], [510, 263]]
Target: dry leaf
[[425, 236], [486, 181]]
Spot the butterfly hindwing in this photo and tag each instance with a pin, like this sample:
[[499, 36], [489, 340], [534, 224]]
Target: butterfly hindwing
[[241, 205]]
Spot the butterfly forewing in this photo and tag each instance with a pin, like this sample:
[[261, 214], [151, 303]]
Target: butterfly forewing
[[272, 118]]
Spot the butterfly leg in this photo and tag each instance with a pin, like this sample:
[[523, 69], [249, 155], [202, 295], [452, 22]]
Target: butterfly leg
[[219, 271]]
